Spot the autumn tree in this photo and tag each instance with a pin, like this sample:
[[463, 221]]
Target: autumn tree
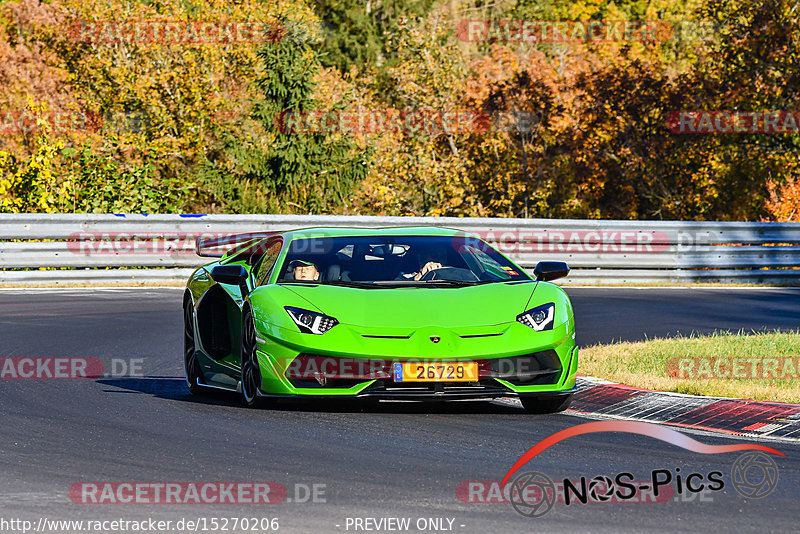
[[305, 170]]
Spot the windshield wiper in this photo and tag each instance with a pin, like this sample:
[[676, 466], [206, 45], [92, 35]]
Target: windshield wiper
[[425, 283], [456, 283], [397, 283], [349, 283]]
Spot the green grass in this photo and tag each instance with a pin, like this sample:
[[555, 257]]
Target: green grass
[[662, 364]]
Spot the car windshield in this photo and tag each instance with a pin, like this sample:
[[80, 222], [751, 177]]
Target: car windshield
[[392, 261]]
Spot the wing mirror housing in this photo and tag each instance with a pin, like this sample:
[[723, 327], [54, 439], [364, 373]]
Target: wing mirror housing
[[235, 275], [550, 270]]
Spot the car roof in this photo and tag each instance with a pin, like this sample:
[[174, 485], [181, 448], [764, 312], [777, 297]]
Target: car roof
[[353, 231], [323, 232]]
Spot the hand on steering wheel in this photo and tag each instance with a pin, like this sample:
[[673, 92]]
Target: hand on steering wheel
[[428, 267]]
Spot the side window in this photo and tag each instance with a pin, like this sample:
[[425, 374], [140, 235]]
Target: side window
[[268, 262]]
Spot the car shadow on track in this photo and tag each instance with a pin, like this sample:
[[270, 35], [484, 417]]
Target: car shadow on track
[[176, 389]]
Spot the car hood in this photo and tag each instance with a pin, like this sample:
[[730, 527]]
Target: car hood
[[414, 307]]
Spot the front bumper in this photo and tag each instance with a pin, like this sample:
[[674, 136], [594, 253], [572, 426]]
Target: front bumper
[[449, 393], [488, 346]]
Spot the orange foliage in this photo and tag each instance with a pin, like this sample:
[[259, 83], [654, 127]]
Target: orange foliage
[[784, 200]]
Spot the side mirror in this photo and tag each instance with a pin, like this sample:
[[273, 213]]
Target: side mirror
[[550, 270], [235, 275]]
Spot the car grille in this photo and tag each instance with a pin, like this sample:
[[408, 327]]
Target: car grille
[[317, 371]]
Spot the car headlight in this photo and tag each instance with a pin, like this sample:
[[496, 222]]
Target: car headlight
[[539, 318], [311, 322]]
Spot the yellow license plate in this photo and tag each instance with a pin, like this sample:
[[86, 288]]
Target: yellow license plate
[[436, 372]]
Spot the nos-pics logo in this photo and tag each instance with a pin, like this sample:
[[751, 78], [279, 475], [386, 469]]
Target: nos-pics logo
[[754, 474]]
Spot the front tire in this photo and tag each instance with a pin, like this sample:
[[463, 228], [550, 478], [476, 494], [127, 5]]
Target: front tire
[[251, 372], [544, 405], [192, 369]]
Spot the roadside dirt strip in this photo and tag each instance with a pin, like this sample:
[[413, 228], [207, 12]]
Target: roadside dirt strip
[[756, 419]]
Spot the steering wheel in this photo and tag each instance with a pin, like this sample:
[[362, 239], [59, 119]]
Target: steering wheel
[[455, 273]]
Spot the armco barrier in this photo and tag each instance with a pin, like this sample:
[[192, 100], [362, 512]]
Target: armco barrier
[[69, 248]]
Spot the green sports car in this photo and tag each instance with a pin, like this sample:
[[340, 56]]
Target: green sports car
[[417, 313]]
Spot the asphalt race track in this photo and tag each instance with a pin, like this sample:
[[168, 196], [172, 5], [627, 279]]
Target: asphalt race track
[[393, 460]]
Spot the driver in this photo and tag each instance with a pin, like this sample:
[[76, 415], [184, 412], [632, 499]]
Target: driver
[[430, 259], [304, 270]]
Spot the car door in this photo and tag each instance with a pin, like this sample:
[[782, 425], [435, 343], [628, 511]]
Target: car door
[[259, 261], [220, 314]]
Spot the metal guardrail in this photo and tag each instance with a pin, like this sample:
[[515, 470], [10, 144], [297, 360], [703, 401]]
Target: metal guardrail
[[68, 248]]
